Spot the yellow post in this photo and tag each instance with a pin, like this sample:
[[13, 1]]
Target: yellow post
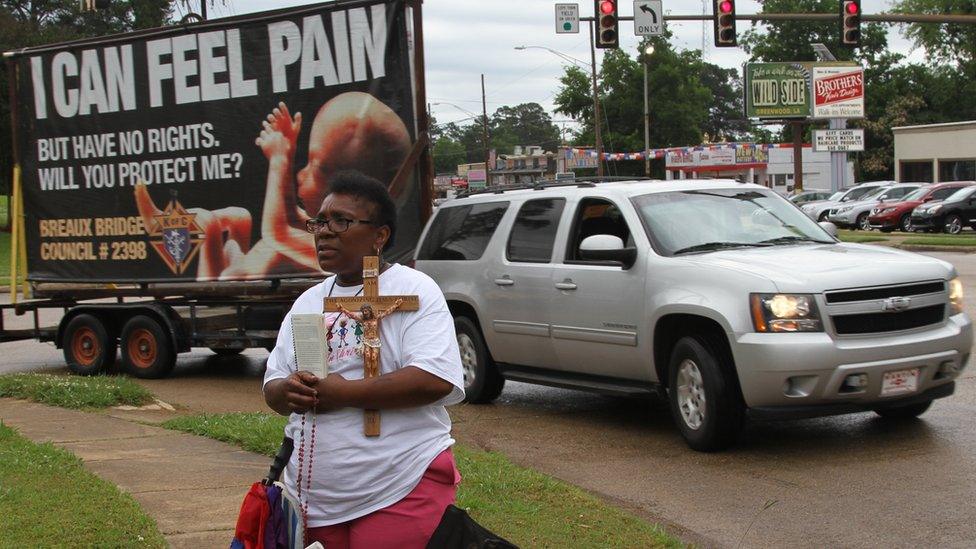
[[14, 233], [22, 242]]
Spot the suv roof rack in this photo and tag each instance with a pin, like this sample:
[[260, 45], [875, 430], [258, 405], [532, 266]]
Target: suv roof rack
[[540, 184]]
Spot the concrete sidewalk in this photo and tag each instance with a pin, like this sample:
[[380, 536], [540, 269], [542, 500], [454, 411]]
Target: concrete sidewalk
[[191, 486]]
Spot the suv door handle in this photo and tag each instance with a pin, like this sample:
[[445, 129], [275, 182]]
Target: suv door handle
[[566, 285], [504, 281]]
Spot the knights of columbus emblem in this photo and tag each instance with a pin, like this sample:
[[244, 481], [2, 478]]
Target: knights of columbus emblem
[[176, 236]]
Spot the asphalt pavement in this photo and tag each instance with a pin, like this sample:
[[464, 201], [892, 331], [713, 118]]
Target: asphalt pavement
[[851, 481]]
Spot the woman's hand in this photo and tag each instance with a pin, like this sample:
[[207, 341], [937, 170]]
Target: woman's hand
[[295, 394]]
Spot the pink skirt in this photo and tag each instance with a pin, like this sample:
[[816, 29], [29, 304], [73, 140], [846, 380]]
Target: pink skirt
[[406, 524]]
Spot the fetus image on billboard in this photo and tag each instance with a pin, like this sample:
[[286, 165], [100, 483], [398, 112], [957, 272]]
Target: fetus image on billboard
[[353, 131]]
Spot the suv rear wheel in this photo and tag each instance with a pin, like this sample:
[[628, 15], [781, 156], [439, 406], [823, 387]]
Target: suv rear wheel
[[482, 381], [704, 398]]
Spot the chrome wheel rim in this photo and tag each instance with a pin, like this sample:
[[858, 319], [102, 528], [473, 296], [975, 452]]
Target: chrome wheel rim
[[954, 226], [906, 224], [691, 394], [469, 359], [865, 224]]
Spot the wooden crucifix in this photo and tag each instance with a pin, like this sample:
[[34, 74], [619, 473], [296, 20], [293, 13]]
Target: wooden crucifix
[[368, 309]]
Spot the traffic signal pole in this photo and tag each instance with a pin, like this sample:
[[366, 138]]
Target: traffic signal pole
[[596, 107]]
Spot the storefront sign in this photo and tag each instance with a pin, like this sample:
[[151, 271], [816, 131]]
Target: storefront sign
[[838, 140], [777, 90], [838, 92]]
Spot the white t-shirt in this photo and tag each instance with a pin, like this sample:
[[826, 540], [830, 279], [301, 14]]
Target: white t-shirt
[[354, 475]]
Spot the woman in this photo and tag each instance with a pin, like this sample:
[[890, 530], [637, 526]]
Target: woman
[[391, 490]]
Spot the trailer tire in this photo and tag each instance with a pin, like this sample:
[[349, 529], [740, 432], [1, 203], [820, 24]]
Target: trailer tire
[[147, 350], [88, 348]]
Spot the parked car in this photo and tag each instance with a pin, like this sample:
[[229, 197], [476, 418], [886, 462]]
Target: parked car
[[810, 196], [854, 215], [958, 210], [898, 215], [721, 295], [819, 211]]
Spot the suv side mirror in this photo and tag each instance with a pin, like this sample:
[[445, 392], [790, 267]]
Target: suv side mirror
[[928, 199], [829, 227], [607, 247]]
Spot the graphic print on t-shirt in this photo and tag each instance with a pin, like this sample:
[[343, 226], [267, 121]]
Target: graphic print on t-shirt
[[340, 337]]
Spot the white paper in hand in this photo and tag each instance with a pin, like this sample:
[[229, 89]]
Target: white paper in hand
[[308, 337]]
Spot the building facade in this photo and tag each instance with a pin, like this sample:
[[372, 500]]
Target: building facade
[[936, 153]]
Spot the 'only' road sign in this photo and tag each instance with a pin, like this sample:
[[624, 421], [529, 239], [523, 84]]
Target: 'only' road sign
[[648, 18]]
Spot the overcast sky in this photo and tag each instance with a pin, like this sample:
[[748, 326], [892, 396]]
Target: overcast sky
[[467, 38]]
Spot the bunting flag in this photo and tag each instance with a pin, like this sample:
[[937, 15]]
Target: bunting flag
[[661, 153]]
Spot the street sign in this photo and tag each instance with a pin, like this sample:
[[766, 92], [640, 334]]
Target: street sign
[[648, 18], [838, 91], [838, 140], [567, 18], [477, 179], [777, 90]]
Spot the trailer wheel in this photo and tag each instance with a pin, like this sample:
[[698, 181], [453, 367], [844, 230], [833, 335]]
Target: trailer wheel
[[147, 350], [87, 347]]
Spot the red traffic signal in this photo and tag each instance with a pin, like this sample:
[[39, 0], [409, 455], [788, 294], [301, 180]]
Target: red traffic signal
[[723, 19], [607, 24], [850, 23]]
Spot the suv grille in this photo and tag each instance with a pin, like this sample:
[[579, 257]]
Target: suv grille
[[881, 293], [863, 310], [889, 322]]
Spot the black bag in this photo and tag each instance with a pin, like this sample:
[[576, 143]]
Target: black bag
[[457, 530]]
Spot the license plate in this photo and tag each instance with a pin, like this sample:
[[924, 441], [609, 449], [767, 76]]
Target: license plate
[[900, 382]]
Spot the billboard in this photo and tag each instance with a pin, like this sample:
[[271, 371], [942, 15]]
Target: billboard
[[838, 91], [196, 152], [777, 90]]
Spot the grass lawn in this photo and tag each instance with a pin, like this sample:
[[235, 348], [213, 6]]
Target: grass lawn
[[918, 239], [4, 257], [48, 499], [4, 213], [527, 508], [74, 391]]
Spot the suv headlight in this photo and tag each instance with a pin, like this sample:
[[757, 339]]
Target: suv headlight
[[785, 313], [935, 209], [955, 296]]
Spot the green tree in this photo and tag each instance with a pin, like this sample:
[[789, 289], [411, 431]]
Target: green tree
[[680, 99], [526, 124], [953, 43], [25, 23]]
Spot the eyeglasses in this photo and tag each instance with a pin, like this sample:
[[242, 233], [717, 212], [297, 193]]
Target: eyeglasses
[[335, 224]]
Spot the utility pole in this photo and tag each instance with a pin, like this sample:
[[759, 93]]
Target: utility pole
[[797, 127], [484, 128], [203, 9], [596, 108]]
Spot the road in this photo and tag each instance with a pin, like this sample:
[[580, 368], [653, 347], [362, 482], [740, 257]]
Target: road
[[851, 481]]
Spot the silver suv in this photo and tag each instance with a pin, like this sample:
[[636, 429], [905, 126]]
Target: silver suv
[[724, 295]]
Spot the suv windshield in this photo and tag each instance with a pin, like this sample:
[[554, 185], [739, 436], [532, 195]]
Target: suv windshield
[[712, 219], [961, 194], [858, 193], [917, 194]]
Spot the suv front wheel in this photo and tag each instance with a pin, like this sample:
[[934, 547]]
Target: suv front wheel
[[704, 399], [482, 381]]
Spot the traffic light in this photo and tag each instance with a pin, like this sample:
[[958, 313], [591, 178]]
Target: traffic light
[[607, 23], [723, 17], [850, 23]]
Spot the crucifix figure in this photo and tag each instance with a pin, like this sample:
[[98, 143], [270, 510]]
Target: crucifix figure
[[369, 319]]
